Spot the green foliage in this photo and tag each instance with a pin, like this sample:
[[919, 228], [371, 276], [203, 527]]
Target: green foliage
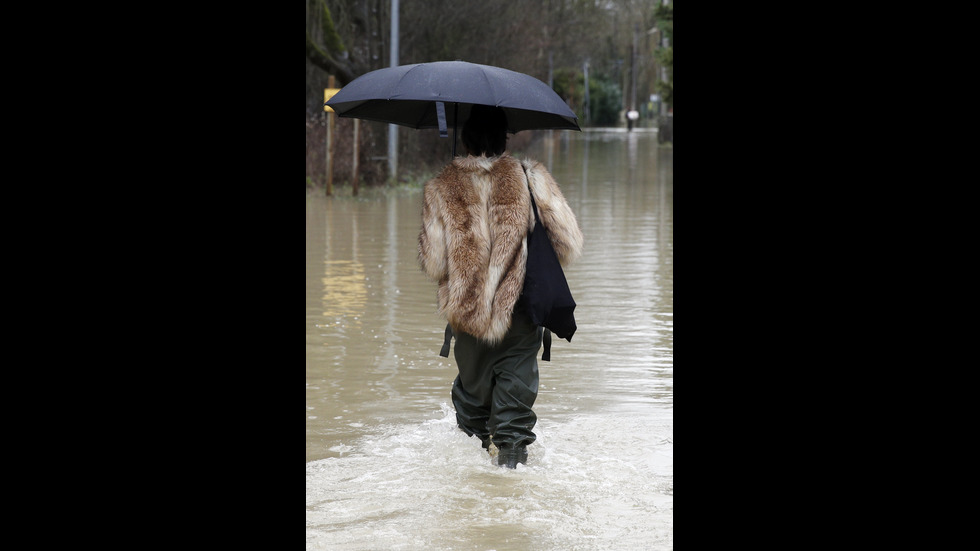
[[324, 47], [664, 15], [568, 85], [665, 56], [330, 37], [605, 101], [605, 96]]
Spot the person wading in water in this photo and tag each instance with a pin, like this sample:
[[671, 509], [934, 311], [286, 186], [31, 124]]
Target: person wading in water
[[476, 215]]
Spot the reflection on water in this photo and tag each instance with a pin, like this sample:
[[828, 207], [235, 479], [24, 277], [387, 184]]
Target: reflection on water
[[386, 468], [343, 287]]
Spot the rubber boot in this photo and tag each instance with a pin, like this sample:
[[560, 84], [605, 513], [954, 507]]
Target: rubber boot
[[510, 456]]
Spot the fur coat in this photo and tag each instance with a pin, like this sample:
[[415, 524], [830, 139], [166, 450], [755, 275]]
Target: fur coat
[[476, 215]]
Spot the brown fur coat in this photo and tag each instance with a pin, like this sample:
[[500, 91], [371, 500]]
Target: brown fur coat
[[476, 215]]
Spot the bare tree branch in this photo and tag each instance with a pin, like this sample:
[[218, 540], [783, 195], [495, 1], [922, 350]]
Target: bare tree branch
[[322, 58], [332, 55]]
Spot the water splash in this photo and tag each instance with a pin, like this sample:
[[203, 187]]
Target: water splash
[[591, 482]]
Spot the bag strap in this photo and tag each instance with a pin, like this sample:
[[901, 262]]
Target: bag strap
[[445, 345], [534, 206], [546, 355]]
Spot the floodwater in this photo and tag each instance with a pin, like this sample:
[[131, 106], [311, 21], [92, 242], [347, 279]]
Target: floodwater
[[386, 467]]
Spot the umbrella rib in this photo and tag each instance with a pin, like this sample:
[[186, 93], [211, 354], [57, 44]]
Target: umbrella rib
[[493, 92], [398, 84]]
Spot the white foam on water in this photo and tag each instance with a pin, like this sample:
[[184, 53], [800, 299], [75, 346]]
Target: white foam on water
[[596, 481]]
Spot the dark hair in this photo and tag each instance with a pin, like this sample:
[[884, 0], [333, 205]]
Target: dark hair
[[485, 132]]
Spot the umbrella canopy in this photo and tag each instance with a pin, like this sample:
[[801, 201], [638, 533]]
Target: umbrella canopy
[[441, 93]]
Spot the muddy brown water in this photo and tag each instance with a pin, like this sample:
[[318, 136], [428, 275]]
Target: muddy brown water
[[386, 466]]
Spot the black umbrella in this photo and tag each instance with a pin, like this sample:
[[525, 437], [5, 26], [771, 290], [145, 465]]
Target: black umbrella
[[437, 94]]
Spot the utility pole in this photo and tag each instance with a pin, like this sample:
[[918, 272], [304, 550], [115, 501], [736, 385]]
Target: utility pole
[[585, 69], [636, 31], [393, 128], [633, 115], [329, 152]]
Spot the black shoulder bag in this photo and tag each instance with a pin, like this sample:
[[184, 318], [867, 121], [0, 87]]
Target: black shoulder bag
[[546, 297]]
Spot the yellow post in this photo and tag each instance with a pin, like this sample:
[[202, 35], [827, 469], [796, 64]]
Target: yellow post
[[330, 116]]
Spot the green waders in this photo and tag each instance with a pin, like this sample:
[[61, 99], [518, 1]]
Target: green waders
[[497, 385]]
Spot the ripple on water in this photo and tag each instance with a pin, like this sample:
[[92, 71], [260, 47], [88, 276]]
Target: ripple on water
[[592, 482]]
